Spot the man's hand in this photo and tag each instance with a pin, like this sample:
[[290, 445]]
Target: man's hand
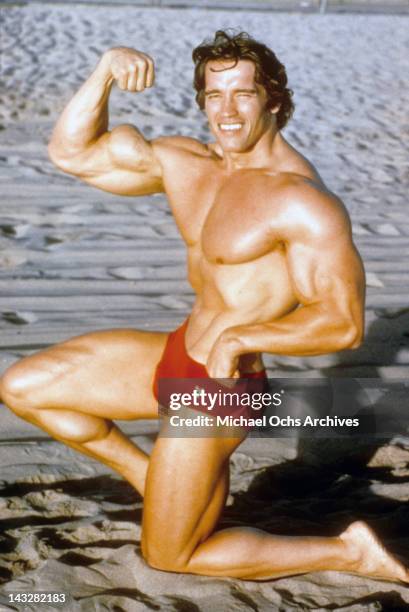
[[131, 69], [223, 360]]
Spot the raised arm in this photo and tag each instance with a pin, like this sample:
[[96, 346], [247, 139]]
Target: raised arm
[[327, 276], [120, 161]]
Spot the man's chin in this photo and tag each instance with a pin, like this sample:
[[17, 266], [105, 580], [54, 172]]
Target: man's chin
[[232, 147]]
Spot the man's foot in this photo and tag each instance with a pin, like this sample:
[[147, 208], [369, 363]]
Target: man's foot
[[370, 556]]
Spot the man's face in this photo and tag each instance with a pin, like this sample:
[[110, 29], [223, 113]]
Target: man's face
[[235, 105]]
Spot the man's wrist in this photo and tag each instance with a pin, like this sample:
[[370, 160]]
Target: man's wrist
[[103, 69], [233, 341]]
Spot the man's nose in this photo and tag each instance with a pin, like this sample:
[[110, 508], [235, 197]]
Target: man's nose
[[228, 106]]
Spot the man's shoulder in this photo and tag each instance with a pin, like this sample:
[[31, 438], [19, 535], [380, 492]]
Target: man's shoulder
[[304, 203], [294, 187], [182, 145], [297, 185]]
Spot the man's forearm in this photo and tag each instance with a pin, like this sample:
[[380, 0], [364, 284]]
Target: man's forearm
[[85, 118], [309, 330]]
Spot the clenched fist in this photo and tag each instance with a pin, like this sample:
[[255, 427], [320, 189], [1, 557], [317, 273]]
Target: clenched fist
[[131, 69]]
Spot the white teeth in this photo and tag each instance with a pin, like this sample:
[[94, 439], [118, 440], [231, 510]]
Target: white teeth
[[230, 126]]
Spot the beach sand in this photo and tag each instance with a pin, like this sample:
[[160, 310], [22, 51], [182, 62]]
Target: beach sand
[[74, 259]]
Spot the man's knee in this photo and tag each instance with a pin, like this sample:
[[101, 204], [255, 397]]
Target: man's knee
[[161, 559], [165, 563], [17, 387]]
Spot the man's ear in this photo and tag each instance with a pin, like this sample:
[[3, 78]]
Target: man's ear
[[274, 110]]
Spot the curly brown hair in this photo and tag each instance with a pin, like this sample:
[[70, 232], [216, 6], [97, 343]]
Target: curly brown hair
[[270, 72]]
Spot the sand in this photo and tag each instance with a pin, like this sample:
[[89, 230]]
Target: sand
[[74, 259]]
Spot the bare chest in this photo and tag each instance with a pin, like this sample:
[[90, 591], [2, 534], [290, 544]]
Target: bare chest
[[229, 220], [236, 229], [236, 258]]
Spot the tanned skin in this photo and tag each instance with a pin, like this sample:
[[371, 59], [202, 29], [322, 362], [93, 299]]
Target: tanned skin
[[274, 269]]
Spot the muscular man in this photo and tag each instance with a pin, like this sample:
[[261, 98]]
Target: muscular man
[[274, 269]]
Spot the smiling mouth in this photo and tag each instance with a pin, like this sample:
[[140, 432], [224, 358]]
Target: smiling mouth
[[230, 127]]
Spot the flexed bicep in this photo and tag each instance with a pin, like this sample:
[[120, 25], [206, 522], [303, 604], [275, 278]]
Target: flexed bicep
[[122, 162]]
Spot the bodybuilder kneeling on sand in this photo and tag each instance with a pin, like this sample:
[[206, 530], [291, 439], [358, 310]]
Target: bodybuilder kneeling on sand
[[274, 269]]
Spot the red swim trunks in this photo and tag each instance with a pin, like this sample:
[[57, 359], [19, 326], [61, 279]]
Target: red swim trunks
[[176, 363]]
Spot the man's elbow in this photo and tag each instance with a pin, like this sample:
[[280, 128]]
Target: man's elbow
[[55, 154], [61, 161], [351, 336]]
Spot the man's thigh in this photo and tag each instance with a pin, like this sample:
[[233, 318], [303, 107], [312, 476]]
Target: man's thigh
[[186, 490], [107, 374]]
